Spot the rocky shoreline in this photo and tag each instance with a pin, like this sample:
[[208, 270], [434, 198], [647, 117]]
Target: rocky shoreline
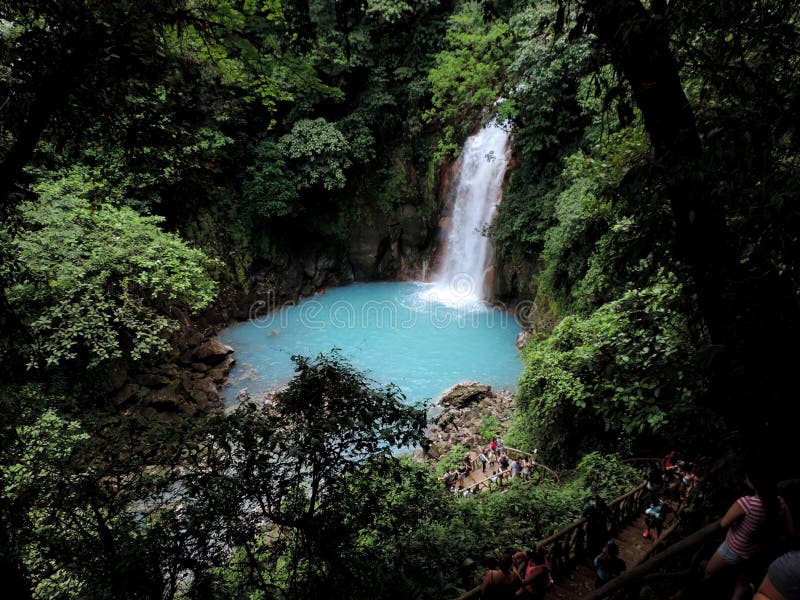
[[463, 408]]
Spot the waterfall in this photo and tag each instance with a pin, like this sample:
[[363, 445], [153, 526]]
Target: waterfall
[[465, 258]]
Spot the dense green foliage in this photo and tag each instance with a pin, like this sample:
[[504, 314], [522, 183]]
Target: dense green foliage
[[625, 372], [291, 500], [636, 220], [96, 282], [164, 161], [467, 76]]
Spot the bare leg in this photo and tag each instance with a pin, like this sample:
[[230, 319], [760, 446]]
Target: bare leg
[[715, 565], [742, 591]]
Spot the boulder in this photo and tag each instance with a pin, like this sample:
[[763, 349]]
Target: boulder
[[325, 267], [152, 380], [211, 352], [168, 400], [436, 451], [171, 371], [220, 373], [203, 392], [466, 394], [127, 392]]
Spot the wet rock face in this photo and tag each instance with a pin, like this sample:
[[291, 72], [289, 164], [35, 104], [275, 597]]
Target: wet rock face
[[211, 352], [391, 239], [466, 394]]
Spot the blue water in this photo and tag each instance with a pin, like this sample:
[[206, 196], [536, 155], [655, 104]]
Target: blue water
[[391, 331]]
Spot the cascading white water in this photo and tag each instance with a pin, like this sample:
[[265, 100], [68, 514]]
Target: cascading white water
[[465, 256]]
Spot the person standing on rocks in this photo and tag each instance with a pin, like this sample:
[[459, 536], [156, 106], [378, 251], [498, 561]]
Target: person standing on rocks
[[462, 474], [484, 460], [448, 480]]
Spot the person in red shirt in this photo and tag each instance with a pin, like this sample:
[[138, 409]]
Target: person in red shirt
[[668, 462], [536, 579]]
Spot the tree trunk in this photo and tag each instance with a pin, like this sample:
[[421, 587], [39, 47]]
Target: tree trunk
[[751, 325], [639, 46]]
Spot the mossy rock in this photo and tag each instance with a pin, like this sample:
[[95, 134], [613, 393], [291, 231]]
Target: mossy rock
[[462, 395]]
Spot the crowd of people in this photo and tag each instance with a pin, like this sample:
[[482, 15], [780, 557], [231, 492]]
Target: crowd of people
[[518, 575], [670, 482], [525, 574], [759, 558], [495, 465]]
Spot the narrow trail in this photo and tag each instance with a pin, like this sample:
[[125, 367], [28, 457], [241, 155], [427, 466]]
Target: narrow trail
[[580, 582]]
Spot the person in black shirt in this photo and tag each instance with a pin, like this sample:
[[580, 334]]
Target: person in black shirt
[[608, 564], [596, 526], [655, 480]]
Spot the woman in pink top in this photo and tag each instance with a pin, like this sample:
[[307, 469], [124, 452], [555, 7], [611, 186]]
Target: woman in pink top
[[752, 522]]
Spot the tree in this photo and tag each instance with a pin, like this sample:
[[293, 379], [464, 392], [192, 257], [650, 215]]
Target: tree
[[468, 75], [623, 379], [724, 181], [97, 282], [87, 502], [273, 483], [318, 152], [639, 46]]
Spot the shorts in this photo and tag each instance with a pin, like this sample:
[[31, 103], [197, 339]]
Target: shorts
[[727, 555]]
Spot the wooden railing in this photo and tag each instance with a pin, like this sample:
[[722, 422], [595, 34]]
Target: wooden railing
[[539, 473], [503, 478], [687, 552], [646, 571], [567, 547], [514, 453]]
